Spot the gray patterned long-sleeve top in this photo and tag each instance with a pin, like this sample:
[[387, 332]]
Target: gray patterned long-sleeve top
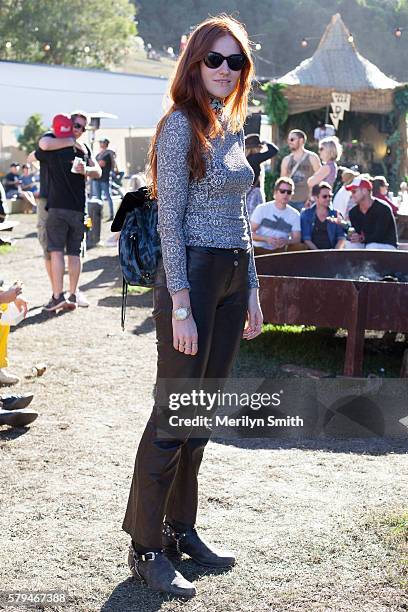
[[210, 212]]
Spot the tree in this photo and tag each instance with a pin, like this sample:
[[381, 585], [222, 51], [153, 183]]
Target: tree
[[32, 132], [280, 25], [76, 33]]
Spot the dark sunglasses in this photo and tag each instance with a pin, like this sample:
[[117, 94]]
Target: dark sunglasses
[[328, 195], [235, 62], [79, 126], [288, 191]]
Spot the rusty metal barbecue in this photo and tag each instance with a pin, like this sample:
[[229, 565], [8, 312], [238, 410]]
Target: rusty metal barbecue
[[354, 290]]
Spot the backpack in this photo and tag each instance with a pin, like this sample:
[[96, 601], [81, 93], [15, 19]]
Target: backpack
[[139, 242]]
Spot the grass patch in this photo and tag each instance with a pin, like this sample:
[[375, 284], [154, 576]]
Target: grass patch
[[312, 347], [6, 248], [133, 290], [399, 527], [397, 537]]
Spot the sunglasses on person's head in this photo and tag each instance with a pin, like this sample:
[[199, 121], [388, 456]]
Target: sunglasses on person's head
[[235, 62], [287, 191], [78, 126]]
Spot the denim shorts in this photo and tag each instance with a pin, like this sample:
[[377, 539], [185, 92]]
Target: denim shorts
[[65, 230]]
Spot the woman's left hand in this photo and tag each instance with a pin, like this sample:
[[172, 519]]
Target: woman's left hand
[[253, 326]]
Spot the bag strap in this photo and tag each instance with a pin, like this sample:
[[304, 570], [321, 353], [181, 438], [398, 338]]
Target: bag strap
[[124, 302], [296, 166]]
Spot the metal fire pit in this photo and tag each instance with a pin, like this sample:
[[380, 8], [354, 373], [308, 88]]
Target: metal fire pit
[[355, 290]]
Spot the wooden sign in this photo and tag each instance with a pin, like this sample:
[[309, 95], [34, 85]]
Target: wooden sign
[[341, 102]]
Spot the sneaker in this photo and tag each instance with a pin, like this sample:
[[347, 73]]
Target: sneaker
[[17, 418], [7, 378], [15, 402], [59, 303], [79, 299]]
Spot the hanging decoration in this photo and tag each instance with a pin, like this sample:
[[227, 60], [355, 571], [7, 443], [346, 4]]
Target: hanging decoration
[[341, 102]]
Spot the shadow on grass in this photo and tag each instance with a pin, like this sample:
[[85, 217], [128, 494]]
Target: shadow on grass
[[36, 315], [132, 595], [143, 300], [110, 271], [12, 433], [309, 347], [353, 446]]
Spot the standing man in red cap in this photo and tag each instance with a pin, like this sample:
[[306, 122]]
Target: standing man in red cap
[[68, 168], [372, 220]]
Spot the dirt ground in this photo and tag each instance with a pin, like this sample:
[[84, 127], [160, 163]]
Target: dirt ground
[[306, 520]]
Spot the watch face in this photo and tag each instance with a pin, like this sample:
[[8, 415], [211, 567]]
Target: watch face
[[180, 314]]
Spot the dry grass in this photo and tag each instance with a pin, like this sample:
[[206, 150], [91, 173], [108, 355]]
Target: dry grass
[[296, 514]]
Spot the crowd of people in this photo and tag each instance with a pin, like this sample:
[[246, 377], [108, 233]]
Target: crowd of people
[[306, 214], [206, 291]]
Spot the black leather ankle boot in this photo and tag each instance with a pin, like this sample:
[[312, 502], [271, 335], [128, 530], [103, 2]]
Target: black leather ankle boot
[[189, 542], [155, 570]]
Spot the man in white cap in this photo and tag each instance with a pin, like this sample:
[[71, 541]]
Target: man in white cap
[[372, 220]]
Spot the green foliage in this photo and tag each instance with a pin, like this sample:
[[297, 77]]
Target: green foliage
[[394, 140], [311, 347], [88, 34], [280, 25], [32, 132], [276, 105]]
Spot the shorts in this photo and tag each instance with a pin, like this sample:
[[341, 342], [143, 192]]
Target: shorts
[[65, 231], [42, 215]]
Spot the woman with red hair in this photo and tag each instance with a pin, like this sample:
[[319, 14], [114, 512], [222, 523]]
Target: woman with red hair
[[205, 294]]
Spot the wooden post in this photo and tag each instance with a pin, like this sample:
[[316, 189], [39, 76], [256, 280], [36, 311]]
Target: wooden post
[[353, 362]]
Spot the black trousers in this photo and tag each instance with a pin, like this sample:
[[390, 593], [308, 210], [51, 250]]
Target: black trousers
[[165, 476]]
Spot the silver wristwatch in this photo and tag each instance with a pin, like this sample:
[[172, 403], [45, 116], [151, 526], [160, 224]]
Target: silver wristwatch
[[181, 313]]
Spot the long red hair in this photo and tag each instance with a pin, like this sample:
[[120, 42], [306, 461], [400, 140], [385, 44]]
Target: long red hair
[[188, 94]]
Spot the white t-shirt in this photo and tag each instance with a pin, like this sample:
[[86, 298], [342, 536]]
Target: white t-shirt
[[341, 201], [274, 221]]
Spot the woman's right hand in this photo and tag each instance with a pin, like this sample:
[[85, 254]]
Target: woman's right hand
[[185, 338]]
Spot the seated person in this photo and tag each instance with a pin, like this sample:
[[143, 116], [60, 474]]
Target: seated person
[[28, 181], [14, 190], [29, 187], [380, 192], [12, 181], [6, 297], [342, 201], [373, 221], [274, 224], [321, 227]]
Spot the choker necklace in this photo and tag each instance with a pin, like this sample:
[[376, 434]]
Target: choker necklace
[[217, 105]]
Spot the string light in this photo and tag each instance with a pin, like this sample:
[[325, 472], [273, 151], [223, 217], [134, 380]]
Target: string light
[[350, 38], [47, 47]]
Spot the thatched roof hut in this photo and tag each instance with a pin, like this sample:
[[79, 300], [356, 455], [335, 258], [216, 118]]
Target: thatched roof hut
[[336, 66]]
